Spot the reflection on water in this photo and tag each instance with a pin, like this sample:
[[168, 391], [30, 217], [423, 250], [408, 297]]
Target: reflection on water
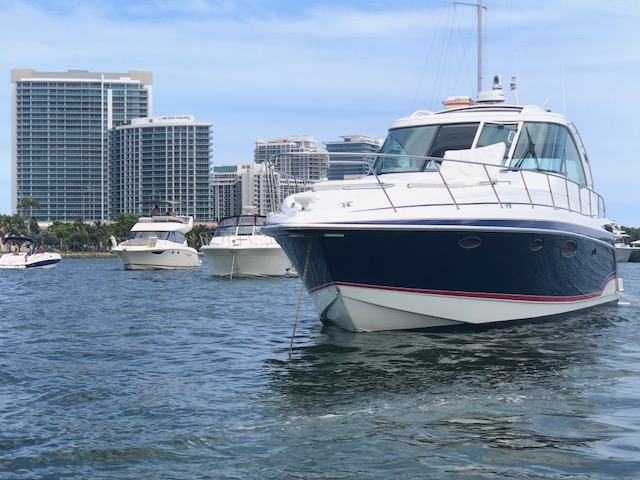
[[526, 398], [397, 362]]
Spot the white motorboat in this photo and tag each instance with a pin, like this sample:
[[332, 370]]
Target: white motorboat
[[623, 248], [478, 214], [158, 242], [22, 253], [238, 248]]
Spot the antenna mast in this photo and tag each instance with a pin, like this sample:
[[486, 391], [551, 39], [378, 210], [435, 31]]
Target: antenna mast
[[479, 46]]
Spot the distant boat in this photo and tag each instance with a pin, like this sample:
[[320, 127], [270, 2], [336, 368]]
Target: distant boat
[[238, 248], [623, 249], [292, 273], [22, 253], [158, 242]]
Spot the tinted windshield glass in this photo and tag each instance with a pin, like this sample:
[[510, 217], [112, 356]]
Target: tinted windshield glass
[[453, 137], [404, 143], [493, 133], [549, 147], [424, 141]]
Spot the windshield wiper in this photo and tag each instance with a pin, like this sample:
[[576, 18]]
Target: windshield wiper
[[531, 150]]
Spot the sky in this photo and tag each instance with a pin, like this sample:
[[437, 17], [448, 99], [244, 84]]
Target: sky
[[266, 69]]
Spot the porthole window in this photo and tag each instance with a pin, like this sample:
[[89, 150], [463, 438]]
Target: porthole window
[[536, 245], [569, 249], [470, 242]]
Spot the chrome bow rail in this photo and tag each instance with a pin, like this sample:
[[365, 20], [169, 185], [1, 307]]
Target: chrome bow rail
[[542, 188]]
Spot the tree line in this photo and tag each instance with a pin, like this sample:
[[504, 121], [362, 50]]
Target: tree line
[[79, 235], [634, 232]]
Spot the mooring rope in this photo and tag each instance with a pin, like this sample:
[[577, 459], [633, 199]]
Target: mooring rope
[[304, 278], [233, 265]]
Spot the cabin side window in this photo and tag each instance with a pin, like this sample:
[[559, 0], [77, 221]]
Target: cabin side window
[[549, 147]]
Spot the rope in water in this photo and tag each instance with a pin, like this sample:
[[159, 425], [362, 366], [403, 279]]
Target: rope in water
[[304, 278]]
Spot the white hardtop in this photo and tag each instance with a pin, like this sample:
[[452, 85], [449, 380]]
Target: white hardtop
[[163, 223], [481, 113]]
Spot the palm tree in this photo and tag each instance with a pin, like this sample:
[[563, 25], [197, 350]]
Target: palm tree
[[26, 204], [11, 225], [99, 233], [193, 237]]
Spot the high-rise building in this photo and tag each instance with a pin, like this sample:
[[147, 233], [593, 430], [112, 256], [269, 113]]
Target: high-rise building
[[160, 158], [356, 144], [261, 188], [297, 157], [245, 185], [59, 131], [226, 191]]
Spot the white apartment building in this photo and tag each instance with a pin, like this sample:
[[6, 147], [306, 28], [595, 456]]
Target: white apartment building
[[160, 158], [296, 157], [59, 129], [237, 186]]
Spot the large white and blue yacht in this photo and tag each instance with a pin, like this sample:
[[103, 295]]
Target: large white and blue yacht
[[482, 212]]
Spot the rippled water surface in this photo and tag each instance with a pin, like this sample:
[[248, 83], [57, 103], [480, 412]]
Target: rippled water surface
[[112, 374]]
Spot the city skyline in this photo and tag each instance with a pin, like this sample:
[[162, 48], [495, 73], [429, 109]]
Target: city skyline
[[266, 69]]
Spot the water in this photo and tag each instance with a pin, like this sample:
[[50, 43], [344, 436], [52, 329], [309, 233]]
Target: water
[[111, 374]]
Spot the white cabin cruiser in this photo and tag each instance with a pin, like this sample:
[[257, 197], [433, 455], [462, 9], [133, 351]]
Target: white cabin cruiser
[[624, 250], [238, 248], [476, 214], [158, 242], [22, 253]]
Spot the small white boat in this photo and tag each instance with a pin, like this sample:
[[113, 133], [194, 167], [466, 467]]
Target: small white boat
[[22, 253], [158, 242], [623, 249], [238, 248], [292, 272]]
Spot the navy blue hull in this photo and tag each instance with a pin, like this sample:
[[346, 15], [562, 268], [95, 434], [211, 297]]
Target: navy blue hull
[[511, 264], [43, 263]]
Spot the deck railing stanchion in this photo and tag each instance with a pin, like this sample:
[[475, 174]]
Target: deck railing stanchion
[[526, 188], [495, 192], [553, 201]]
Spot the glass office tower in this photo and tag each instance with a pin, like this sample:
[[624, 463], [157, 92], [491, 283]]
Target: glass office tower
[[60, 123], [356, 144], [160, 158]]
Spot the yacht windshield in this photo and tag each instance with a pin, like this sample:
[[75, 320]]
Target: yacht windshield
[[550, 148], [493, 133], [240, 225], [177, 237], [402, 145], [407, 147]]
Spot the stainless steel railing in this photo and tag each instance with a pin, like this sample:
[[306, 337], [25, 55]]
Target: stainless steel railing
[[559, 192]]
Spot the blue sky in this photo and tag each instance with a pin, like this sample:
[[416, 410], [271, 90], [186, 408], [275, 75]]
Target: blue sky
[[262, 69]]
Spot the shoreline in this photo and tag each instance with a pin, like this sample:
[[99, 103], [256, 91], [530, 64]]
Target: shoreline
[[87, 255], [94, 254]]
